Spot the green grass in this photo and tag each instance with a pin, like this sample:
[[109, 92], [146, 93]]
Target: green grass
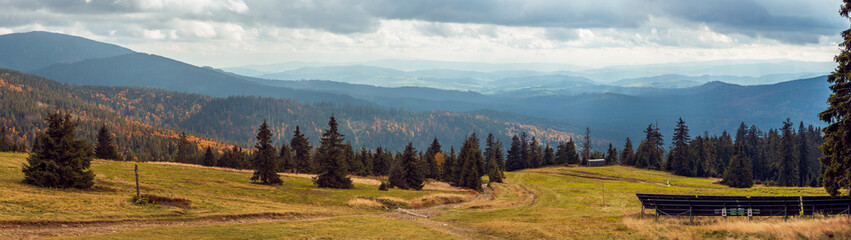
[[347, 227], [212, 192]]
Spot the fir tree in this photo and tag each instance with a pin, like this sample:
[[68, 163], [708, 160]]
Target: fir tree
[[470, 156], [104, 149], [494, 172], [354, 163], [803, 156], [680, 156], [650, 151], [408, 174], [265, 161], [332, 160], [365, 158], [611, 155], [57, 159], [572, 155], [788, 164], [450, 174], [533, 154], [739, 173], [837, 147], [184, 152], [286, 162], [494, 150], [432, 170], [549, 156], [627, 155], [301, 148], [381, 162], [586, 146], [209, 158], [515, 155]]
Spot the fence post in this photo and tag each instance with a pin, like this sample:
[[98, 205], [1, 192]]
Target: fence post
[[136, 169]]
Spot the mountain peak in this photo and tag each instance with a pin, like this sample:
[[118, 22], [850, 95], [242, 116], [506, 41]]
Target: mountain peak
[[35, 50]]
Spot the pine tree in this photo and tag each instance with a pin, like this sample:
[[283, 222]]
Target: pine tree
[[104, 149], [837, 147], [627, 155], [788, 163], [57, 159], [408, 174], [470, 156], [494, 150], [494, 172], [739, 173], [381, 162], [515, 156], [332, 160], [432, 169], [681, 161], [449, 173], [286, 162], [184, 152], [301, 148], [209, 158], [549, 156], [586, 146], [265, 160], [803, 156]]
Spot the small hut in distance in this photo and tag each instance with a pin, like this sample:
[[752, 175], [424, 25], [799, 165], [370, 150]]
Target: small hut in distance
[[596, 162]]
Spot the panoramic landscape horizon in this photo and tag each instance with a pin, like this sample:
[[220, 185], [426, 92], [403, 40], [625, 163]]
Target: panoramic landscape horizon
[[376, 119]]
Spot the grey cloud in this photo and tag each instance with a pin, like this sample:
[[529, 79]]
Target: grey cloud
[[562, 34]]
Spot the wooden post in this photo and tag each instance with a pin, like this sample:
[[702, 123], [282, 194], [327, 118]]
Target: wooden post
[[136, 169]]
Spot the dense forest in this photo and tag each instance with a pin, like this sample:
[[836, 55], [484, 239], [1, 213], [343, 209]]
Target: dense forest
[[147, 121]]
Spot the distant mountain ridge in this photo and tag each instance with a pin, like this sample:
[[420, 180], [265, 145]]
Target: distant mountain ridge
[[35, 50]]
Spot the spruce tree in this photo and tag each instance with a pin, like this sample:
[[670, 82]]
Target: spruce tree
[[586, 146], [534, 154], [494, 150], [104, 149], [265, 160], [331, 157], [449, 173], [408, 174], [301, 148], [184, 151], [561, 153], [611, 155], [381, 162], [209, 158], [470, 156], [432, 170], [515, 155], [788, 163], [627, 155], [681, 161], [803, 156], [549, 156], [286, 162], [355, 165], [57, 159], [365, 158], [572, 154], [837, 147], [739, 173], [494, 172]]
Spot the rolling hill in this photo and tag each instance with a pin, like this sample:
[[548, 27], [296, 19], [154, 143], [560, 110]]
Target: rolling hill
[[35, 50]]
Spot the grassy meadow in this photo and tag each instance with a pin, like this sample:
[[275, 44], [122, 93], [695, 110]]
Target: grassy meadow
[[546, 203]]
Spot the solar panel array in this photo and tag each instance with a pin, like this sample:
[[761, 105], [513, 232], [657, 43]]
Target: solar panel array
[[690, 205]]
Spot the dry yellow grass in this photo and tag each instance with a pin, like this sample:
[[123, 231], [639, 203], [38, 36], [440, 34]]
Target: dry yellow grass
[[438, 199], [774, 228], [364, 204]]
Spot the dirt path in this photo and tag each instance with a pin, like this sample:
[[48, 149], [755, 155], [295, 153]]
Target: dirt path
[[424, 217], [598, 176], [67, 229]]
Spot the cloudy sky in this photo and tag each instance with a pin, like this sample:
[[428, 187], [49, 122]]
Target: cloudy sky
[[588, 33]]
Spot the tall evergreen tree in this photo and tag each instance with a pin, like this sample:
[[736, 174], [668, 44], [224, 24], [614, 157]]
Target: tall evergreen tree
[[286, 162], [739, 173], [680, 157], [409, 174], [803, 156], [724, 152], [470, 156], [366, 160], [209, 157], [104, 149], [57, 159], [533, 154], [450, 172], [837, 147], [611, 155], [301, 148], [494, 172], [265, 160], [354, 163], [515, 155], [650, 151], [627, 155], [494, 150], [788, 172], [432, 170], [586, 146], [573, 156], [184, 152], [381, 162], [332, 159]]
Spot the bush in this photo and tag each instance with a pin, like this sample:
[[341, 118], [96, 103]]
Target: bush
[[384, 186]]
